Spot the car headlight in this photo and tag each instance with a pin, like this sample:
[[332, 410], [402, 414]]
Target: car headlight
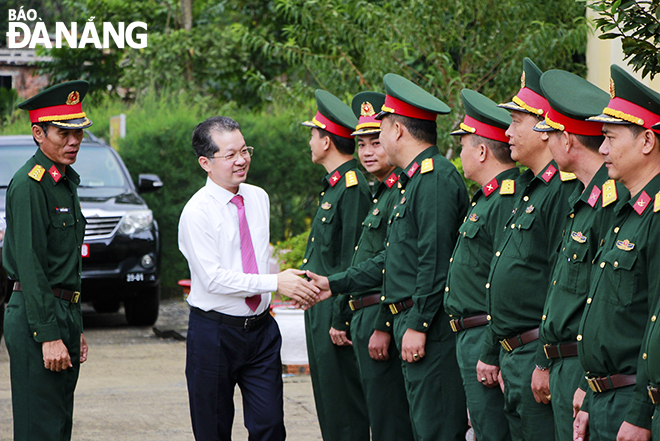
[[136, 221]]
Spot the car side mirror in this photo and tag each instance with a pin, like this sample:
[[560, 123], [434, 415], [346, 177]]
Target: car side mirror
[[148, 183]]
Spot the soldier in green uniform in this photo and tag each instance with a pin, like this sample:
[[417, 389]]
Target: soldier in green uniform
[[487, 161], [624, 282], [376, 353], [413, 268], [42, 254], [343, 204], [521, 265], [574, 145]]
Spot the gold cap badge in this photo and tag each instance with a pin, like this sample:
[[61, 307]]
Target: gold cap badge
[[367, 109], [73, 98]]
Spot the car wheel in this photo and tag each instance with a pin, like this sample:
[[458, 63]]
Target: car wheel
[[106, 305], [142, 310]]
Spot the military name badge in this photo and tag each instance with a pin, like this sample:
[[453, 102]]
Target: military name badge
[[641, 203], [474, 217], [37, 173], [411, 171], [593, 197], [609, 192], [326, 205], [427, 165], [565, 176], [578, 237], [62, 210], [55, 173], [335, 178], [656, 203], [508, 186], [625, 245], [351, 178], [490, 187], [549, 173]]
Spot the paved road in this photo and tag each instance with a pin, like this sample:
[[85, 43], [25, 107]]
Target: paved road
[[133, 386]]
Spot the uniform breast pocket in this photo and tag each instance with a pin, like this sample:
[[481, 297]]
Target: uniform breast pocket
[[522, 235], [574, 255], [468, 233], [327, 224], [400, 228], [618, 266], [62, 229]]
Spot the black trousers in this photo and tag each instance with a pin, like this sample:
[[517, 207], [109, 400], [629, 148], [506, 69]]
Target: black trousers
[[220, 356]]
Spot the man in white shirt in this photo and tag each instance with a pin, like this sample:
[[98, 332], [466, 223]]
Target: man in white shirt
[[232, 338]]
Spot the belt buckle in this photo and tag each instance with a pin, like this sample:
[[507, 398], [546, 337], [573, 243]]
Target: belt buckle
[[545, 349], [505, 344], [452, 323], [76, 297], [351, 304], [652, 393], [393, 309], [593, 384], [247, 323]]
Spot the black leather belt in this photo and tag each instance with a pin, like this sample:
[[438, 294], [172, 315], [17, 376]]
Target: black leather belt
[[233, 320], [654, 393], [64, 294], [602, 384], [562, 350], [468, 322], [401, 306], [509, 344], [363, 302]]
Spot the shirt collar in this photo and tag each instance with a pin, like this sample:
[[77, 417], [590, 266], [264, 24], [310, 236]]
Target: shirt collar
[[221, 194], [342, 169], [427, 153], [46, 163], [651, 189]]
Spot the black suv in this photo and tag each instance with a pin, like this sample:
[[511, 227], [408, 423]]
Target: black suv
[[121, 251]]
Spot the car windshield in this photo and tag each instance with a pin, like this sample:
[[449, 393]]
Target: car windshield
[[96, 166]]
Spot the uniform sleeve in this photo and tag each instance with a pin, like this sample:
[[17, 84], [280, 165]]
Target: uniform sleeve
[[28, 220], [365, 275], [490, 349], [437, 215]]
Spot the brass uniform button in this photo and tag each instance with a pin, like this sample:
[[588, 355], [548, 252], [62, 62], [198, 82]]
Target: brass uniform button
[[446, 289], [474, 203], [498, 254], [322, 193], [487, 285], [616, 229], [375, 201], [488, 317], [602, 264], [513, 225], [554, 282], [387, 324], [544, 317], [572, 215], [644, 356], [356, 247], [304, 260], [579, 338], [574, 256], [383, 270], [323, 219], [382, 298], [654, 318], [451, 259], [526, 198], [589, 300], [426, 325], [616, 264], [312, 239]]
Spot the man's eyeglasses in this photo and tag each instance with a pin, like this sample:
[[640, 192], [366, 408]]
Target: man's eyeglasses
[[245, 152]]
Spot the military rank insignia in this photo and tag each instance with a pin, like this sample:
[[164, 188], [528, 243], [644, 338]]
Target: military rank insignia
[[411, 171], [508, 186], [37, 173], [567, 176], [326, 205], [625, 245], [656, 203], [609, 192], [578, 237], [335, 178], [641, 203], [549, 173], [593, 197], [55, 173], [490, 187], [391, 180], [427, 165], [474, 217], [351, 178]]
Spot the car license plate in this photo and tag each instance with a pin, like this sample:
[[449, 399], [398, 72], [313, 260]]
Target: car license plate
[[84, 250], [135, 277]]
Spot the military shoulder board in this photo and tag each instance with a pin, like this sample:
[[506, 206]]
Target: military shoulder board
[[565, 176], [656, 203], [427, 165], [609, 192], [37, 173], [351, 178], [508, 186]]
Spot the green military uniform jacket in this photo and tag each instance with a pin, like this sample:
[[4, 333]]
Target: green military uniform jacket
[[465, 294], [42, 245], [415, 261], [520, 269], [343, 204], [624, 288], [585, 227]]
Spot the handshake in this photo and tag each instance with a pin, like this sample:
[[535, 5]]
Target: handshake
[[304, 291]]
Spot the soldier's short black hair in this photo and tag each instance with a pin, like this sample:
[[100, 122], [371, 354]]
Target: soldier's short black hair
[[44, 126], [343, 145], [420, 129]]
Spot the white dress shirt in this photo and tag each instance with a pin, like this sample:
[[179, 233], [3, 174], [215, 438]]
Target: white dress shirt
[[210, 239]]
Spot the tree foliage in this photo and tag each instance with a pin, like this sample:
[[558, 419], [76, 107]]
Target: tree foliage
[[637, 24]]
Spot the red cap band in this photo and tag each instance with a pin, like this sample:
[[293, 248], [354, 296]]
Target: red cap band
[[398, 107], [486, 130], [368, 121], [532, 101], [560, 121], [631, 112], [331, 127], [62, 111]]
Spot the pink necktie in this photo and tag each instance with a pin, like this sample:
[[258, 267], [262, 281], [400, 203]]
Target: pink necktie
[[247, 251]]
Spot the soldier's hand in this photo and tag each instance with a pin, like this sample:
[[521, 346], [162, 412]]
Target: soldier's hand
[[379, 345], [578, 398], [541, 385], [301, 291], [56, 355], [412, 346], [630, 432], [322, 284], [487, 374], [581, 427], [340, 338], [83, 348]]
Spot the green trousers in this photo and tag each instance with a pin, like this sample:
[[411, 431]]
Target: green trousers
[[340, 405], [486, 404], [655, 427], [565, 375], [42, 400], [433, 384], [528, 420], [382, 382], [607, 411]]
